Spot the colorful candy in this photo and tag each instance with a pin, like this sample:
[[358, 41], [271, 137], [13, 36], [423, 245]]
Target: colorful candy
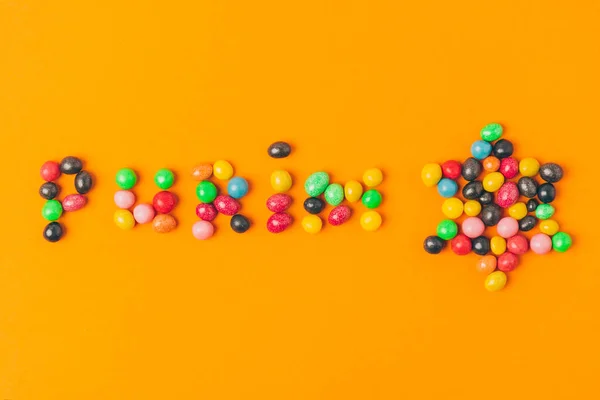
[[73, 202], [312, 224], [527, 187], [503, 148], [431, 174], [472, 227], [373, 177], [164, 223], [507, 227], [227, 205], [507, 195], [452, 208], [461, 245], [339, 215], [206, 191], [164, 202], [495, 281], [532, 205], [509, 167], [164, 178], [472, 190], [471, 169], [53, 232], [279, 150], [561, 242], [486, 198], [202, 172], [493, 181], [507, 262], [52, 210], [549, 227], [451, 169], [517, 244], [546, 193], [433, 244], [143, 213], [71, 165], [370, 221], [481, 149], [498, 245], [279, 202], [334, 194], [447, 229], [124, 199], [239, 223], [49, 190], [222, 170], [314, 205], [124, 219], [126, 178], [447, 188], [203, 230], [50, 171], [472, 208], [353, 191], [83, 182], [518, 211], [486, 264], [491, 164], [372, 199], [279, 222], [316, 184], [529, 167], [206, 212], [551, 172], [540, 243], [491, 214], [491, 132], [527, 223], [544, 211], [281, 181], [481, 245], [237, 187]]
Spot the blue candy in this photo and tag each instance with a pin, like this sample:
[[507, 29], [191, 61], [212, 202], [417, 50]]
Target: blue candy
[[481, 149], [237, 187], [447, 188]]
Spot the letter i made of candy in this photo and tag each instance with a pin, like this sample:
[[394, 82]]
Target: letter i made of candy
[[281, 182]]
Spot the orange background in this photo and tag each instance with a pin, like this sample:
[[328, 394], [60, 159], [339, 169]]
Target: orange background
[[108, 314]]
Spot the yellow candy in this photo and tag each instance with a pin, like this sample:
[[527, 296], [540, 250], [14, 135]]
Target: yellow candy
[[281, 181], [452, 208], [312, 224], [431, 174], [472, 208], [529, 167], [370, 221], [518, 211], [493, 181], [549, 227], [372, 177], [222, 170], [498, 245], [495, 281], [124, 219], [353, 191]]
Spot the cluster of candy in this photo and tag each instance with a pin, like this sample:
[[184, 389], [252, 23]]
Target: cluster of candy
[[158, 212], [485, 200], [281, 182], [53, 209], [212, 203]]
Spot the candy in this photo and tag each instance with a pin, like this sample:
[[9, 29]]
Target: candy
[[279, 202], [222, 170], [279, 150], [164, 202], [503, 148], [71, 165], [237, 187], [447, 188], [314, 205], [493, 181], [491, 132], [372, 177], [281, 181], [561, 242], [529, 167], [52, 210], [491, 164], [518, 211], [53, 232], [509, 167], [472, 208], [124, 219], [370, 221], [451, 169], [544, 211], [164, 178], [227, 205], [279, 222], [532, 204], [371, 199], [498, 245], [507, 227], [206, 212], [124, 199], [83, 182], [334, 194], [472, 227], [312, 224], [202, 172], [481, 149], [239, 223], [507, 262], [495, 281], [126, 178], [549, 227], [527, 186], [527, 223], [551, 172], [143, 213], [431, 174], [353, 191], [472, 190], [203, 230], [546, 193], [461, 245], [517, 244], [164, 223], [471, 169], [491, 214], [339, 215], [50, 171], [486, 198], [452, 208], [49, 190], [206, 191], [507, 195], [433, 244], [73, 202], [481, 245], [316, 183], [540, 243], [447, 229], [486, 264]]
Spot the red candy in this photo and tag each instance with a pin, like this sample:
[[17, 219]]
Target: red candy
[[206, 212], [517, 245], [164, 202], [507, 195], [279, 202], [451, 169], [227, 205], [74, 202], [507, 262], [509, 167], [50, 171], [339, 215], [461, 245], [279, 222]]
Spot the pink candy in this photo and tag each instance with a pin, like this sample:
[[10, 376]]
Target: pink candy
[[509, 167], [143, 213], [541, 243], [227, 205], [507, 195], [339, 215], [206, 212], [124, 199], [203, 230], [74, 202], [473, 227], [279, 222], [517, 245], [279, 202], [507, 227]]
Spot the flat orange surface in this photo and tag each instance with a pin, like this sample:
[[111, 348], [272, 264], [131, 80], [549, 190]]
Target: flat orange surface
[[108, 314]]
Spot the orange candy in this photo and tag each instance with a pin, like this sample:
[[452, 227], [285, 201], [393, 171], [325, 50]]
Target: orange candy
[[202, 172], [486, 264], [164, 223], [491, 164]]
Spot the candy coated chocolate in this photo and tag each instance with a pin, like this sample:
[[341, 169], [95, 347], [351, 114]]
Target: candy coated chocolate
[[53, 232], [74, 202], [71, 165], [279, 150], [49, 190], [83, 182], [50, 171], [227, 205], [433, 244], [206, 211], [339, 215], [279, 222], [279, 202]]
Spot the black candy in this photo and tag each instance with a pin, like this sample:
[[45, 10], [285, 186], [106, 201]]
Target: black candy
[[481, 245], [532, 205], [503, 148], [239, 223], [491, 214], [471, 169], [486, 198], [53, 232], [314, 205], [71, 165], [83, 182], [472, 190], [551, 172], [49, 190], [546, 193], [279, 150], [527, 186], [527, 223], [434, 244]]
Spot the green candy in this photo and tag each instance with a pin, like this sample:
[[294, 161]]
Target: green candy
[[334, 194], [544, 211], [206, 191], [561, 242], [491, 132], [126, 178], [447, 229], [316, 184], [52, 210], [164, 178], [371, 198]]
